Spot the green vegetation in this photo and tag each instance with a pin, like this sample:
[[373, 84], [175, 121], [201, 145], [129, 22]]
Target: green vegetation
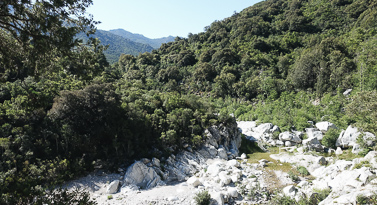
[[303, 171], [202, 198], [361, 199], [362, 164], [318, 196], [63, 108], [329, 139]]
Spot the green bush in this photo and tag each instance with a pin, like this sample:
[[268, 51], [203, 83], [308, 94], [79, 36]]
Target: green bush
[[202, 198], [361, 199], [303, 171], [293, 176], [329, 140]]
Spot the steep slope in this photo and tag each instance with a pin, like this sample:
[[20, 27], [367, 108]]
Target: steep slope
[[272, 47], [155, 43], [118, 45]]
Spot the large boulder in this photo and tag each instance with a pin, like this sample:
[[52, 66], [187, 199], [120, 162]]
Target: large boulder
[[314, 132], [194, 181], [113, 187], [264, 128], [286, 136], [313, 144], [325, 126], [222, 153], [141, 175], [348, 138]]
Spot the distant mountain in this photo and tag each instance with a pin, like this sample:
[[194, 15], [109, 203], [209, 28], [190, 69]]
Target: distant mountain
[[118, 45], [155, 43]]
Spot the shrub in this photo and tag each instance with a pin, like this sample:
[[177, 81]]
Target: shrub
[[110, 197], [303, 171], [322, 193], [330, 138], [293, 176], [202, 198], [361, 199]]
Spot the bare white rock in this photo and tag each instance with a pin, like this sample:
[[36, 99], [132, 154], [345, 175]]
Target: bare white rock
[[194, 181], [113, 187]]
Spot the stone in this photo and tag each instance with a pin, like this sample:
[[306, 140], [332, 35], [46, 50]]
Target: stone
[[172, 198], [233, 192], [193, 181], [303, 184], [233, 163], [289, 190], [356, 149], [113, 187], [141, 175], [296, 139], [285, 136], [338, 151], [348, 138], [264, 128], [156, 162], [279, 143], [214, 169], [212, 150], [369, 139], [243, 156], [221, 152], [325, 126], [145, 160], [275, 129], [217, 197], [288, 143], [313, 144], [347, 92], [301, 150], [322, 161], [371, 155], [224, 177]]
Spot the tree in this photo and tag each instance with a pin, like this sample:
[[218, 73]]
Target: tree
[[36, 32]]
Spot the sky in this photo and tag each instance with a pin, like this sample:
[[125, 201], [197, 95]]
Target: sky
[[161, 18]]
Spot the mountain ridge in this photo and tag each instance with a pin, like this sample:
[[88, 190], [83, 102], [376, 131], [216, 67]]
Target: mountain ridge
[[154, 42]]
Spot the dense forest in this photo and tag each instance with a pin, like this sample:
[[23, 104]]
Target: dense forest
[[64, 109]]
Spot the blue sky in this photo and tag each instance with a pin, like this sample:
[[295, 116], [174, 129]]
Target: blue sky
[[161, 18]]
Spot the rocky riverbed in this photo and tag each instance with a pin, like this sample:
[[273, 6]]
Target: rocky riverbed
[[230, 179]]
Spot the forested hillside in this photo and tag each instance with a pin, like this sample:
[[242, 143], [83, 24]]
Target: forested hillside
[[64, 110], [155, 43], [117, 45]]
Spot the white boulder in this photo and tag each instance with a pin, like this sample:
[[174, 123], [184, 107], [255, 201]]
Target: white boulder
[[113, 187], [290, 190], [325, 126], [286, 136], [221, 152], [348, 138], [338, 151], [232, 191], [141, 175], [194, 181]]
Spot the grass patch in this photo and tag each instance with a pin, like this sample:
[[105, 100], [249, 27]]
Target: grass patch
[[275, 165], [347, 155], [362, 164]]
